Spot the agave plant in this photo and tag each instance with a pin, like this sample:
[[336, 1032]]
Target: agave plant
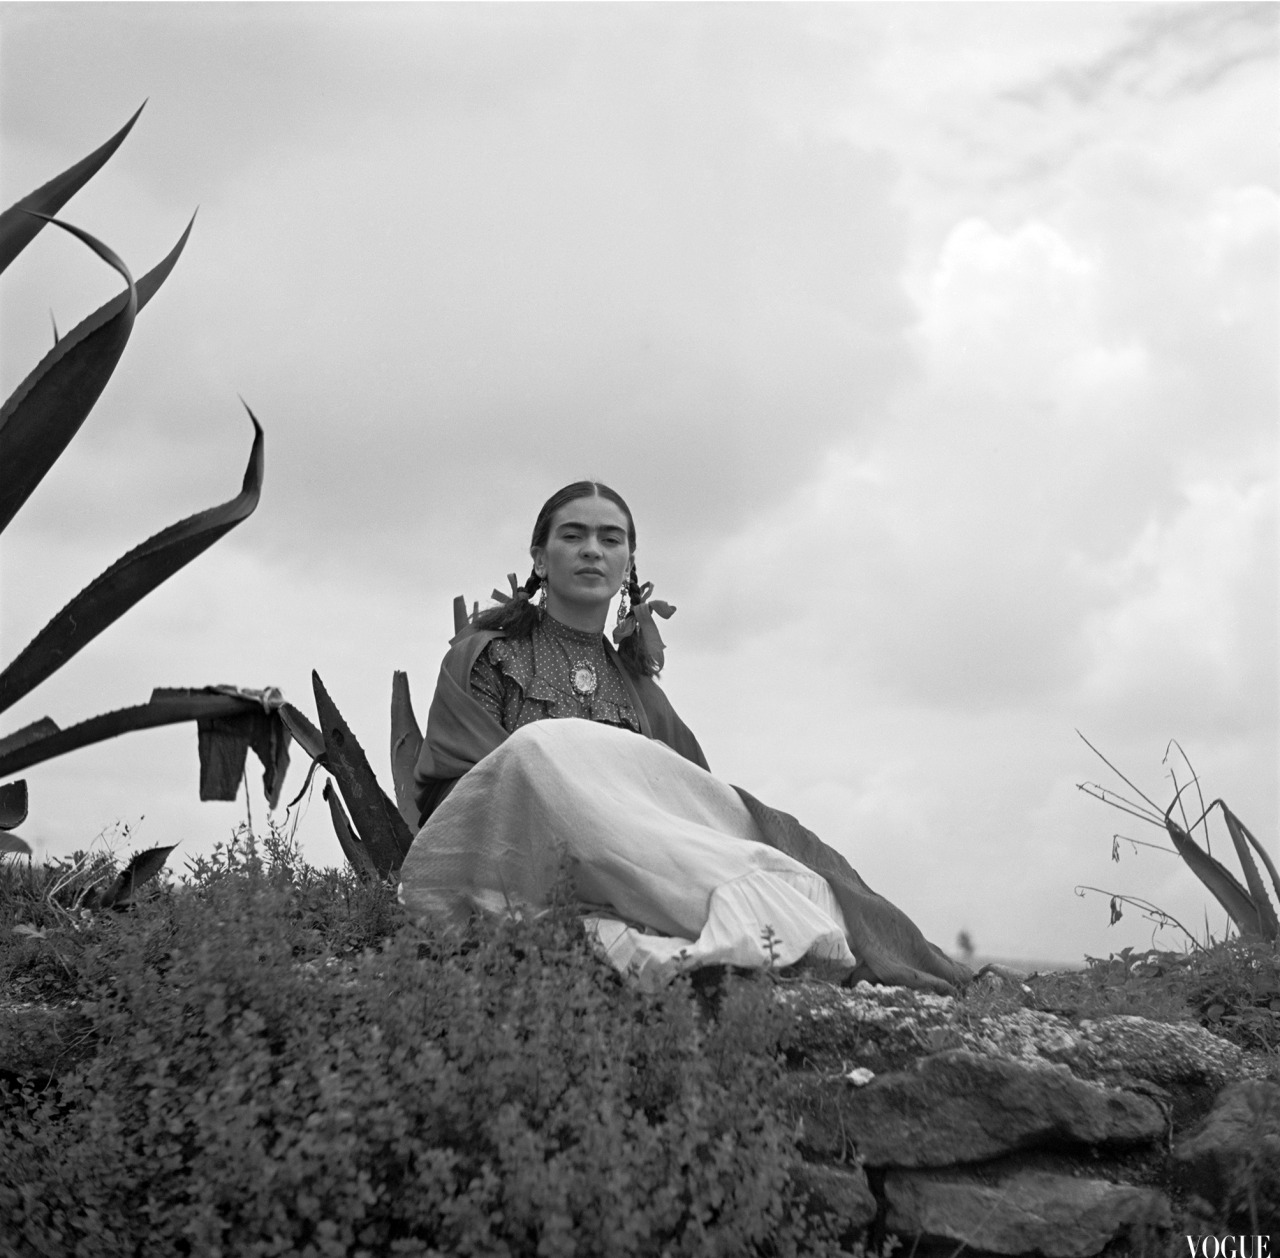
[[36, 424], [1248, 905], [375, 838]]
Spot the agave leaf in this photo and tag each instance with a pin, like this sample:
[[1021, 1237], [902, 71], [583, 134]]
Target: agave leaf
[[1268, 925], [167, 707], [47, 409], [17, 226], [27, 734], [406, 742], [1221, 881], [11, 845], [140, 870], [352, 846], [305, 734], [13, 805], [127, 581], [377, 820], [49, 406], [1262, 851]]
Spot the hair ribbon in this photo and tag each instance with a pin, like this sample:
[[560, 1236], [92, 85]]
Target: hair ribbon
[[641, 617]]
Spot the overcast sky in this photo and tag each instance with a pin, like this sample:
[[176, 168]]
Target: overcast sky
[[933, 346]]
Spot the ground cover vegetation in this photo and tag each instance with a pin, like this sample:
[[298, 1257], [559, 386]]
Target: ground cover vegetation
[[272, 1061], [269, 1059]]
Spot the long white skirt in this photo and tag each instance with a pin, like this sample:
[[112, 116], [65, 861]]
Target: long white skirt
[[664, 852]]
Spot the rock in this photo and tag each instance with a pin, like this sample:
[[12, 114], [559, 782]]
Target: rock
[[880, 1028], [886, 1028], [1028, 1212], [958, 1106], [1232, 1158], [837, 1191], [1127, 1047]]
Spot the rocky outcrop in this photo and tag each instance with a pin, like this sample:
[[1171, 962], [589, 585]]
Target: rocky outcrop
[[1009, 1130], [958, 1106]]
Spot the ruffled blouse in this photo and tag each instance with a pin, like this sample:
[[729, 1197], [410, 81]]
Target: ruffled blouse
[[521, 680]]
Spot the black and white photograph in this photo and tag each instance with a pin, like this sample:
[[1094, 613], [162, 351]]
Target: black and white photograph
[[639, 628]]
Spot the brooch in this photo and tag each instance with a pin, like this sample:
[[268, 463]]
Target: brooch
[[584, 679]]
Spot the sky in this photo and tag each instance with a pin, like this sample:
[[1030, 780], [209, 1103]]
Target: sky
[[934, 347]]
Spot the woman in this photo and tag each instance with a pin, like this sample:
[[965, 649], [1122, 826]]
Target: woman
[[544, 744]]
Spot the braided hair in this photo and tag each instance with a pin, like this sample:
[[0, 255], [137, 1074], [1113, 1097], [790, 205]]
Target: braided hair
[[518, 616]]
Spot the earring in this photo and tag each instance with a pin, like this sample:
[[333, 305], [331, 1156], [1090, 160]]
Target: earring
[[542, 595], [624, 604]]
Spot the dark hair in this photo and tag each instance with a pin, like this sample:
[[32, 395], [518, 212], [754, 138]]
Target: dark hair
[[517, 617]]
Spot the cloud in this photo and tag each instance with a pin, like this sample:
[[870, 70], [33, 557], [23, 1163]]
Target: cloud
[[441, 298], [948, 422], [1169, 52]]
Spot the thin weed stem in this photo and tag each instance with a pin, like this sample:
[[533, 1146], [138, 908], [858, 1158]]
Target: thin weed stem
[[1155, 807], [1116, 800], [1195, 777]]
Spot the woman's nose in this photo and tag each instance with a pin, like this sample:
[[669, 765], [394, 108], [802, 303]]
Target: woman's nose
[[590, 546]]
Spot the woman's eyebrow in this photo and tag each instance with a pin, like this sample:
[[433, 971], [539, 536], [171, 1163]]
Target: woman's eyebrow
[[583, 528]]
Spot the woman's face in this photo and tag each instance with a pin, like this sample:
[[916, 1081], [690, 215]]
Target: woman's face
[[585, 559]]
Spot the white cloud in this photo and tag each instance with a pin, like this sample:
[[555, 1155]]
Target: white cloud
[[934, 347]]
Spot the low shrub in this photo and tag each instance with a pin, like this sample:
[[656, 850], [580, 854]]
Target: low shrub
[[1231, 987], [283, 1067]]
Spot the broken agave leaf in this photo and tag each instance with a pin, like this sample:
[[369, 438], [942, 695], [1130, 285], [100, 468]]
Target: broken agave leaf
[[128, 580], [13, 805], [43, 740], [11, 845], [139, 871], [34, 732], [19, 226]]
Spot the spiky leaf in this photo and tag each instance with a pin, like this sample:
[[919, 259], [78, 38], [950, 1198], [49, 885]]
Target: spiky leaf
[[11, 845], [19, 226], [1221, 881], [167, 707], [376, 819], [47, 409], [406, 743], [49, 406], [1268, 925], [140, 870], [304, 733], [127, 581]]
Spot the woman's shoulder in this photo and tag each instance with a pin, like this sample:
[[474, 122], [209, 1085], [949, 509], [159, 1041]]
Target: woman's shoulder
[[468, 647]]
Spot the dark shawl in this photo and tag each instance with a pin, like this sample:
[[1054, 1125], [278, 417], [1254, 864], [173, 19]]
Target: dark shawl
[[888, 944]]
